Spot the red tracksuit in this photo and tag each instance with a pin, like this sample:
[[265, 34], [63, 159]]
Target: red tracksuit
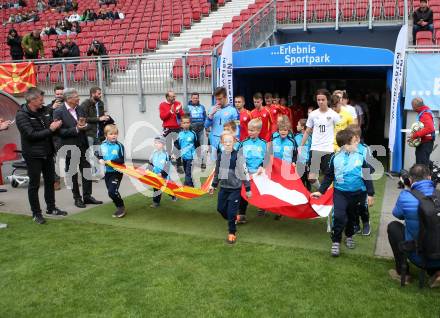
[[266, 120]]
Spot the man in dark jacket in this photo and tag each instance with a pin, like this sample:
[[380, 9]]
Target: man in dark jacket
[[71, 49], [426, 134], [423, 19], [73, 133], [37, 129], [406, 209], [93, 109], [54, 104]]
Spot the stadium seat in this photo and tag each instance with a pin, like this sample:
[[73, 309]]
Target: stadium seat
[[178, 69], [55, 73]]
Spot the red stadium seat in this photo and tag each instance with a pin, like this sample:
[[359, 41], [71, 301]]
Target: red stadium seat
[[55, 73], [178, 69], [206, 44], [424, 35]]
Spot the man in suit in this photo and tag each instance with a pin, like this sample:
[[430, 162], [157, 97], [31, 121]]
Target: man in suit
[[73, 133]]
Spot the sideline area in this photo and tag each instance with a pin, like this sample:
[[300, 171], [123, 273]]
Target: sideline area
[[172, 261], [198, 217]]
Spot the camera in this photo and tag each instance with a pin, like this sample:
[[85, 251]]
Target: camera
[[404, 180]]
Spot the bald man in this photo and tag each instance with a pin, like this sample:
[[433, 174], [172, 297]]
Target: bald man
[[426, 134]]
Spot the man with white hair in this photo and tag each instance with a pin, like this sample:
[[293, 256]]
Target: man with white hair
[[73, 133]]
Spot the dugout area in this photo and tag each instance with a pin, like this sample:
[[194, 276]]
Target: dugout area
[[300, 68]]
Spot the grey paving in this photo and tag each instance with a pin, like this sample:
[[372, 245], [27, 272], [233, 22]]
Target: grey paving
[[383, 248], [16, 199]]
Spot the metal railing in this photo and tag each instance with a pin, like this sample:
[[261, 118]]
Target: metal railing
[[255, 31], [307, 13], [130, 74]]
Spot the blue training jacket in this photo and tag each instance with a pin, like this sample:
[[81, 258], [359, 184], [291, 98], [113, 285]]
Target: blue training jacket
[[160, 163], [284, 148], [112, 151], [254, 152], [197, 114], [222, 116], [187, 143], [346, 171], [304, 157], [407, 208]]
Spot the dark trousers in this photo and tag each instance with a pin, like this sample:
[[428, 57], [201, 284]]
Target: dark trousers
[[344, 212], [423, 152], [242, 206], [112, 182], [36, 167], [320, 162], [417, 28], [86, 184], [396, 235], [302, 169], [171, 136], [227, 205], [362, 213], [157, 195], [187, 166]]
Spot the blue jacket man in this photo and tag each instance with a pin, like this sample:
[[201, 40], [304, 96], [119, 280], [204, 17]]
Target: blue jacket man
[[406, 209]]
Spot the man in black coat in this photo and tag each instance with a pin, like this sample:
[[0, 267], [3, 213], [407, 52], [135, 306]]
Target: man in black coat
[[71, 49], [37, 128], [422, 19], [73, 133]]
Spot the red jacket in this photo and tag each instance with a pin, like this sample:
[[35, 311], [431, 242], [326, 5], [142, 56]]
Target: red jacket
[[428, 123], [245, 118], [169, 117], [266, 120]]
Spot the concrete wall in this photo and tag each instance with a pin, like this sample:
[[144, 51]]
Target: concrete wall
[[142, 126], [137, 129]]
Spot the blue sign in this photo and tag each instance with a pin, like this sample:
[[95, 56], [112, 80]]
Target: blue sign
[[423, 79], [309, 54]]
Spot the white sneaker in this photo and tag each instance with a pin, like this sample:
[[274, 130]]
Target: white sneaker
[[335, 251]]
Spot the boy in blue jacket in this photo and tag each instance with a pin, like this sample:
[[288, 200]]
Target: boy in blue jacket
[[187, 143], [255, 154], [351, 187], [362, 211], [284, 145], [407, 209], [160, 164], [112, 150]]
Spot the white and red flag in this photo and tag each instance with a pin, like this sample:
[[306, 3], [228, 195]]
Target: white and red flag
[[281, 191]]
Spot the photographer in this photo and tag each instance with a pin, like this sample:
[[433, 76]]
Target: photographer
[[97, 49]]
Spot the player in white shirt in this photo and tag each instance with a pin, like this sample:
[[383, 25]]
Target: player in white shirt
[[321, 124], [345, 106]]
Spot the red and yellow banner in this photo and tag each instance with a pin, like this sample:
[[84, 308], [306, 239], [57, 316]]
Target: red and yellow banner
[[169, 187], [17, 77]]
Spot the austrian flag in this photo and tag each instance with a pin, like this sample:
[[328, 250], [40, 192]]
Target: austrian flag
[[281, 191]]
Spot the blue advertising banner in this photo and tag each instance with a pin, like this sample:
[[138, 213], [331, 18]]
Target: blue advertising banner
[[423, 79], [310, 54]]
